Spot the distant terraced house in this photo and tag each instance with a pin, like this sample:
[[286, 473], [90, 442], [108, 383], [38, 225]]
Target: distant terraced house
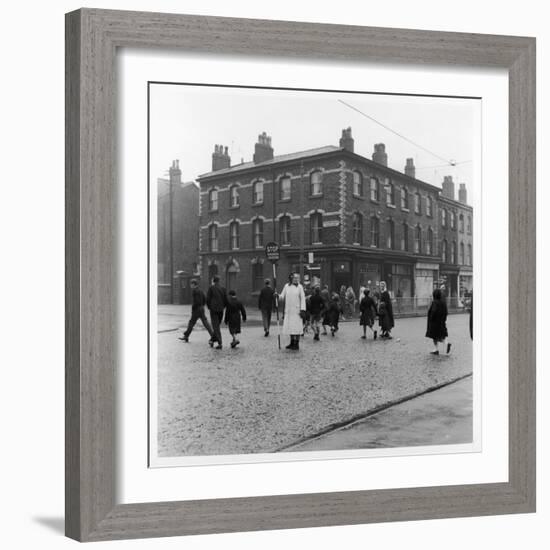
[[339, 217]]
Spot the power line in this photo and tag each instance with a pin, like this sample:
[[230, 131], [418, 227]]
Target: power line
[[442, 165], [447, 161]]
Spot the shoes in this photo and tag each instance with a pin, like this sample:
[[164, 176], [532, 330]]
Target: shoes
[[235, 343], [316, 337], [436, 352], [290, 346], [448, 348], [184, 338], [363, 337], [266, 333], [211, 343], [375, 335], [219, 346]]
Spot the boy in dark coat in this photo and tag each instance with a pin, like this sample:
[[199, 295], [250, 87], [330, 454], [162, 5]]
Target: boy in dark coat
[[265, 305], [367, 307], [197, 311], [437, 322], [384, 320], [216, 300], [333, 313], [234, 311], [316, 305]]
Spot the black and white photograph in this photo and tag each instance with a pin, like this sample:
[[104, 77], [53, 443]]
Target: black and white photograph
[[311, 281]]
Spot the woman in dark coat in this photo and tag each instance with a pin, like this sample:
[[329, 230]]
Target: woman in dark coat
[[437, 322], [367, 307], [234, 311], [385, 298]]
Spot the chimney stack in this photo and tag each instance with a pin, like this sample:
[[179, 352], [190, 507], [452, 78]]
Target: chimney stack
[[346, 141], [220, 158], [448, 187], [410, 170], [380, 156], [262, 149], [462, 193], [175, 172]]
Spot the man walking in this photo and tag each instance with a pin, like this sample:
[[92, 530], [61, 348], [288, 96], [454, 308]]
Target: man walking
[[265, 305], [216, 300], [198, 300], [295, 310]]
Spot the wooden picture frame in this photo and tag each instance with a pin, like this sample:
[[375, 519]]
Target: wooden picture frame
[[92, 39]]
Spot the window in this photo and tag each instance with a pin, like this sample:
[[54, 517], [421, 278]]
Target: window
[[429, 242], [258, 192], [404, 199], [374, 189], [461, 223], [284, 188], [257, 276], [258, 233], [390, 234], [418, 240], [417, 205], [469, 226], [316, 227], [213, 238], [213, 199], [405, 237], [357, 228], [462, 254], [429, 206], [444, 251], [453, 220], [375, 232], [357, 184], [234, 194], [390, 193], [316, 183], [234, 235], [453, 252], [469, 254], [284, 230], [444, 217]]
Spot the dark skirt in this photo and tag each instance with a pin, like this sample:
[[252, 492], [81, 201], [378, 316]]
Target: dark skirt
[[367, 318]]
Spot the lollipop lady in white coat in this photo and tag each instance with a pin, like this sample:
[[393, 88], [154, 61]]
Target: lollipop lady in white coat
[[294, 299]]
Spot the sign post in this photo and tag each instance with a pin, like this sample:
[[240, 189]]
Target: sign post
[[273, 253]]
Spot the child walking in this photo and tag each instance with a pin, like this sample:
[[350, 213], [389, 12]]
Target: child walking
[[437, 322], [234, 311], [384, 320], [333, 313], [367, 307]]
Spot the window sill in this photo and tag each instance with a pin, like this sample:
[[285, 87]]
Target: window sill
[[375, 201], [257, 203], [356, 196], [316, 243], [316, 196], [235, 207], [404, 209], [418, 213], [284, 200], [215, 211], [390, 205]]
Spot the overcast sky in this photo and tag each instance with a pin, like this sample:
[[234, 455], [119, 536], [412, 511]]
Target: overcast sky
[[186, 122]]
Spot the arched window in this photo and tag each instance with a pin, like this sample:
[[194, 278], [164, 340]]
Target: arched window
[[405, 237], [258, 233], [284, 230], [469, 226], [316, 227], [258, 192], [316, 183], [417, 205], [390, 193], [417, 240], [453, 252], [404, 198], [444, 217], [234, 236], [213, 238], [213, 199], [357, 228], [461, 223], [462, 254], [469, 254], [444, 251], [429, 241], [453, 220], [357, 184], [374, 189], [375, 232], [284, 188], [390, 234], [234, 194], [429, 206]]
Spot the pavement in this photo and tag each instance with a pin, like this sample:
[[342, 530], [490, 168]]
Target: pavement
[[257, 398]]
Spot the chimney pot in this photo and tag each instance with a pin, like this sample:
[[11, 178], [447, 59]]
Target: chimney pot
[[410, 169], [263, 149], [346, 141], [380, 156]]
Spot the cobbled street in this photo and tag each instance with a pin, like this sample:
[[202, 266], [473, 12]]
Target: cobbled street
[[258, 399]]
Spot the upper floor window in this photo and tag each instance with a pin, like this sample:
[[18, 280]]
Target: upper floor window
[[461, 223], [357, 184], [404, 198], [390, 193], [462, 258], [405, 237], [375, 231], [390, 234], [418, 240], [234, 235], [213, 238], [258, 233], [316, 183], [357, 228], [453, 252], [444, 217], [284, 230], [258, 192], [213, 199], [452, 215], [417, 204], [444, 251], [284, 188], [429, 241], [374, 189], [234, 194], [316, 227], [469, 226], [469, 258], [429, 206]]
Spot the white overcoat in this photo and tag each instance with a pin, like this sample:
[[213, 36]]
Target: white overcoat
[[294, 299]]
